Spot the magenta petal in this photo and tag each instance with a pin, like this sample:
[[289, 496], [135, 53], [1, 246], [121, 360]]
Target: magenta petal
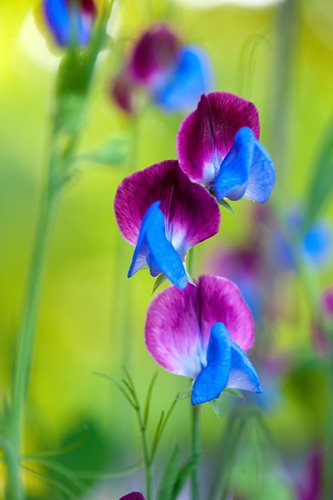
[[222, 301], [179, 323], [206, 136], [191, 213], [153, 55], [172, 331]]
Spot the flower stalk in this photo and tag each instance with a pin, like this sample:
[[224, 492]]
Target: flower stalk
[[195, 452]]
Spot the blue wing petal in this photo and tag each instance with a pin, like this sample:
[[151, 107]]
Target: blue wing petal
[[242, 375], [154, 249], [57, 14], [63, 21], [262, 175], [213, 378], [191, 78], [232, 179]]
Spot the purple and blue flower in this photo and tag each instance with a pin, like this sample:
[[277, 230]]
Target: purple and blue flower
[[218, 145], [174, 75], [314, 245], [202, 333], [164, 214], [70, 21]]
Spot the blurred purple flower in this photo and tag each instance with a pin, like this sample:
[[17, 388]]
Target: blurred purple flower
[[164, 214], [202, 333], [319, 335], [70, 21], [174, 75], [310, 485], [327, 302], [243, 266], [135, 495], [218, 145]]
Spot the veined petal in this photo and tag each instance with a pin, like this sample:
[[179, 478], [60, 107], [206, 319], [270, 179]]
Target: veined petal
[[153, 56], [192, 77], [232, 179], [221, 301], [172, 331], [65, 20], [207, 135], [158, 252], [214, 376], [261, 176], [191, 214], [242, 374]]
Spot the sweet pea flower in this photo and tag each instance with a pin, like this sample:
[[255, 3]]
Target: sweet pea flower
[[135, 495], [174, 75], [70, 20], [164, 214], [202, 333], [218, 145]]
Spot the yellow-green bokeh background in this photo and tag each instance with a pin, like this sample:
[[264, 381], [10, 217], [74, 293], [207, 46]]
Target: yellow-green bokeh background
[[78, 326]]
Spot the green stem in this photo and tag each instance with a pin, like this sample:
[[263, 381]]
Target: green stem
[[26, 340], [195, 452], [146, 458]]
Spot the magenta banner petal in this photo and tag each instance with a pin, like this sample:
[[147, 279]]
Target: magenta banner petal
[[206, 136], [172, 331], [191, 213], [222, 301]]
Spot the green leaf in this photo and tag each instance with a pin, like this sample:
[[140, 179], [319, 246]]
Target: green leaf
[[183, 474], [321, 184], [113, 152], [148, 399], [169, 478]]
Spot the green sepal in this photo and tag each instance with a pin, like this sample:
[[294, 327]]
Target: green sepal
[[227, 205]]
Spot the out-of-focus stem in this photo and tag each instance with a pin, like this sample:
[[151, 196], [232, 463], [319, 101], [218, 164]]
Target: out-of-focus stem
[[146, 455], [195, 482], [26, 337], [287, 30]]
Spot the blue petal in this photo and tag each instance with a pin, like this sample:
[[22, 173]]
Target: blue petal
[[62, 21], [154, 249], [242, 375], [232, 179], [262, 175], [183, 87], [317, 243], [57, 14], [213, 378]]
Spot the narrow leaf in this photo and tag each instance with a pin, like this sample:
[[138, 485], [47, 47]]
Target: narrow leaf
[[183, 474], [148, 399], [169, 477]]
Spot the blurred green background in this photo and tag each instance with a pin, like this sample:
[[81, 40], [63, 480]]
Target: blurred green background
[[81, 327]]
